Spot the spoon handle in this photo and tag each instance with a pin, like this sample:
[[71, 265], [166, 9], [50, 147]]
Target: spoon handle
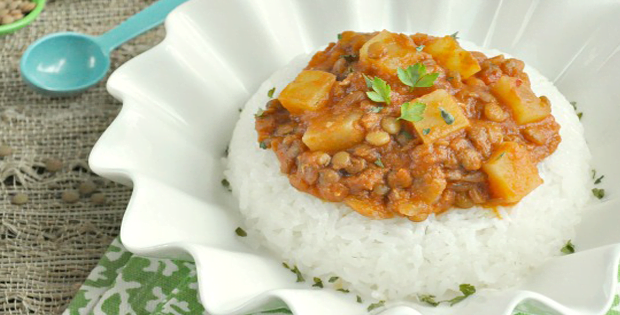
[[139, 23]]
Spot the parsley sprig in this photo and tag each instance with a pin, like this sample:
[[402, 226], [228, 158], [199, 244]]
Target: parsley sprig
[[416, 76], [569, 248], [466, 290], [380, 90], [412, 112]]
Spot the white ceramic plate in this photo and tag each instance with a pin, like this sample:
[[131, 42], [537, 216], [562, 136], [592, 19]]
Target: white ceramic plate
[[181, 101]]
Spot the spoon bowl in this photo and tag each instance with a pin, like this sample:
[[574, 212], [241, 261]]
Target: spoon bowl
[[64, 63]]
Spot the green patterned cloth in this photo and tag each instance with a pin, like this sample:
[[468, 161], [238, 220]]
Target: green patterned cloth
[[126, 284]]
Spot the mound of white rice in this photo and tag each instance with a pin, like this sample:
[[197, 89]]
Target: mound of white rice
[[398, 259]]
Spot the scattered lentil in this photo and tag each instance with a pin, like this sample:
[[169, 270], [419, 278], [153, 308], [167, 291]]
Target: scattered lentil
[[87, 187], [14, 10], [5, 150], [53, 165], [19, 199], [98, 198], [70, 196]]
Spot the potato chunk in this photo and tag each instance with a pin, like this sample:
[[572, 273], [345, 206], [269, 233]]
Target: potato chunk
[[389, 51], [433, 125], [448, 53], [512, 173], [521, 100], [334, 133], [309, 91]]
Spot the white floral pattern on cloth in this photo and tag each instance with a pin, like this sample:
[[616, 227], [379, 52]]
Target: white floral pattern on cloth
[[126, 284]]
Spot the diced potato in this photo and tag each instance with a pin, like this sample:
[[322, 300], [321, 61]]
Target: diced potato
[[433, 126], [512, 173], [309, 92], [368, 208], [334, 133], [520, 98], [448, 53], [389, 51]]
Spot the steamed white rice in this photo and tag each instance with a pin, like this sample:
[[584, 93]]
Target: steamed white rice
[[398, 259]]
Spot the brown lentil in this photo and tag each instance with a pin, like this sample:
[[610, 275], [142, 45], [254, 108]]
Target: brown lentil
[[19, 199], [70, 196], [5, 150], [53, 165]]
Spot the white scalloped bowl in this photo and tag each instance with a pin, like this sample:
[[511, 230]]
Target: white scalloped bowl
[[181, 100]]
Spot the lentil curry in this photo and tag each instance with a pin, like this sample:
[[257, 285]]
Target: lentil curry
[[398, 125]]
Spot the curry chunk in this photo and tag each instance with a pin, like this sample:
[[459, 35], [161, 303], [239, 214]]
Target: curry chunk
[[309, 92], [389, 51], [519, 97], [442, 116], [448, 53], [512, 173], [333, 133]]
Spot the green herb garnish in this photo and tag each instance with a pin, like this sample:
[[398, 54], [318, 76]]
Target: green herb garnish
[[374, 306], [579, 115], [333, 279], [447, 117], [428, 299], [412, 112], [455, 35], [380, 90], [239, 231], [317, 282], [375, 109], [420, 48], [569, 248], [286, 266], [270, 93], [349, 58], [226, 151], [467, 290], [593, 173], [426, 131], [379, 163], [342, 290], [300, 277], [500, 156], [574, 104], [416, 76], [598, 193], [259, 113], [226, 184], [339, 36], [358, 299], [262, 145], [599, 180]]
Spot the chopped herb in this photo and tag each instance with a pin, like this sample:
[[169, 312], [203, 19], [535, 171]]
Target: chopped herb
[[240, 110], [226, 184], [412, 112], [270, 93], [466, 289], [286, 266], [574, 104], [569, 248], [419, 48], [343, 290], [428, 299], [416, 76], [300, 277], [379, 163], [318, 282], [455, 35], [349, 58], [340, 36], [593, 174], [333, 279], [406, 134], [381, 90], [226, 151], [259, 113], [598, 193], [368, 81], [599, 180], [375, 109], [262, 145], [374, 306], [239, 231], [359, 299], [426, 131], [447, 117], [579, 115], [500, 156], [450, 78]]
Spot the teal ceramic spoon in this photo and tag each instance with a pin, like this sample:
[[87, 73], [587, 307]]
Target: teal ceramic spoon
[[68, 63]]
